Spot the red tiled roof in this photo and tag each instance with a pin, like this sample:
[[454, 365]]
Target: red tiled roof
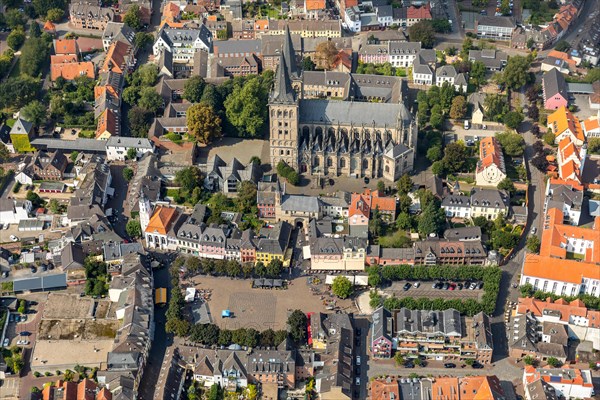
[[65, 46], [70, 71], [423, 12], [116, 57]]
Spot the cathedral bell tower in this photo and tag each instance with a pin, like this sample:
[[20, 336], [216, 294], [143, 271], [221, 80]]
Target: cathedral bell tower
[[283, 115]]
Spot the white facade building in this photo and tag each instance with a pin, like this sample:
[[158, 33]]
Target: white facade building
[[118, 146], [183, 43]]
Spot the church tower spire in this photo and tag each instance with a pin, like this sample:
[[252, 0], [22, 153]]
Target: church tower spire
[[283, 91], [289, 54]]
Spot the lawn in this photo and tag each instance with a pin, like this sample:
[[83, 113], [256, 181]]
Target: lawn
[[172, 192], [88, 134], [21, 143], [10, 122]]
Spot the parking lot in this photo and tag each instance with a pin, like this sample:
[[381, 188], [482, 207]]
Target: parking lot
[[261, 308], [425, 290]]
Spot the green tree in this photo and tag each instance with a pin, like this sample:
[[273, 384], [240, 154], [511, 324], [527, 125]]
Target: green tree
[[374, 276], [150, 99], [594, 145], [246, 200], [55, 14], [529, 360], [441, 25], [436, 120], [533, 244], [188, 178], [505, 7], [508, 185], [342, 287], [203, 123], [131, 154], [459, 107], [431, 220], [553, 362], [455, 155], [495, 107], [274, 268], [404, 221], [513, 144], [54, 206], [404, 184], [477, 74], [127, 174], [435, 153], [35, 199], [516, 72], [423, 32], [142, 40], [513, 119], [308, 64], [16, 38], [139, 120], [549, 138], [296, 323], [193, 89], [133, 228], [14, 18], [133, 18], [246, 108], [381, 187], [34, 54], [34, 112], [399, 359], [73, 156], [562, 45]]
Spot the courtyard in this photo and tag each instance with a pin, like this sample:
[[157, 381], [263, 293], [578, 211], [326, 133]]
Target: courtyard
[[261, 308]]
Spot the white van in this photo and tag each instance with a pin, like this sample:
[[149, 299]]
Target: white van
[[467, 124]]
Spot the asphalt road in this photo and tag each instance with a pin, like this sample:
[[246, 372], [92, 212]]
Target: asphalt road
[[119, 221], [148, 384]]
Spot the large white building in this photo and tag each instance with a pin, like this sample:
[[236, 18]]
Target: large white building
[[488, 203], [13, 211], [182, 43], [118, 146]]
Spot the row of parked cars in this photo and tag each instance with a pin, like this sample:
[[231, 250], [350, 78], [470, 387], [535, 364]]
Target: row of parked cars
[[468, 285]]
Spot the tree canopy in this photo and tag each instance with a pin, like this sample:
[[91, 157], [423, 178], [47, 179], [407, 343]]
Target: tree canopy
[[342, 287], [297, 325], [424, 32], [193, 89], [203, 123]]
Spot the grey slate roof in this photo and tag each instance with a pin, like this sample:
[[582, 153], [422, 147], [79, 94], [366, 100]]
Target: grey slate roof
[[79, 144], [237, 46], [357, 113], [130, 142], [489, 198], [21, 127], [463, 233], [446, 71], [300, 203], [504, 22], [554, 83], [492, 59], [428, 322], [44, 282]]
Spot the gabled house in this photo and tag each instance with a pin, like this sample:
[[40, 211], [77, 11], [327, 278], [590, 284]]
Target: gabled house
[[88, 16], [563, 123], [570, 160], [117, 32], [108, 125], [494, 60], [49, 166], [490, 169], [567, 196], [160, 224], [21, 134], [224, 177], [555, 90], [382, 332], [119, 58]]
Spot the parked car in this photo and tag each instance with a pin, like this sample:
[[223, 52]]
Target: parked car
[[44, 268], [480, 285], [460, 286], [417, 284], [357, 360], [6, 342], [23, 318], [14, 238], [33, 270], [25, 333], [477, 365], [406, 286], [449, 365], [446, 286], [358, 381], [409, 364], [434, 285], [22, 342], [5, 274]]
